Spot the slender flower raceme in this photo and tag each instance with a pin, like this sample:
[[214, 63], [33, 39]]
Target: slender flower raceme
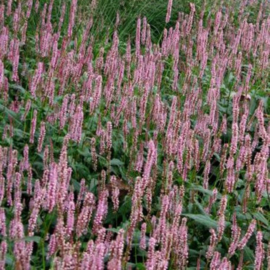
[[52, 185], [41, 136], [248, 234], [259, 256], [143, 237], [33, 127], [169, 10]]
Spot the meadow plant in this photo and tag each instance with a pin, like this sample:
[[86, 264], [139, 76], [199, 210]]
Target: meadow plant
[[134, 153]]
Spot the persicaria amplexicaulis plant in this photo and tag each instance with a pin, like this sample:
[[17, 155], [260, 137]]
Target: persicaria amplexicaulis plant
[[145, 148]]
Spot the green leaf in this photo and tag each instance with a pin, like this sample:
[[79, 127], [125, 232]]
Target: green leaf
[[85, 152], [9, 259], [32, 239], [17, 87], [202, 219], [140, 266], [115, 230], [116, 162], [248, 254], [201, 189], [259, 216], [200, 207]]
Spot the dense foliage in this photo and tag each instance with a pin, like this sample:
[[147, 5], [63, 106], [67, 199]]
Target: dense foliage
[[134, 135]]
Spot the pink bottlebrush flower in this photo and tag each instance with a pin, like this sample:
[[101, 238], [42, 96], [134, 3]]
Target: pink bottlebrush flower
[[35, 211], [138, 37], [2, 75], [172, 115], [268, 256], [27, 108], [16, 230], [206, 174], [217, 22], [150, 263], [212, 200], [162, 220], [82, 193], [2, 14], [259, 254], [144, 29], [2, 158], [117, 252], [46, 157], [115, 193], [9, 175], [97, 94], [61, 19], [261, 181], [115, 199], [94, 153], [143, 237], [215, 262], [100, 59], [240, 159], [213, 243], [221, 226], [223, 205], [29, 180], [33, 127], [225, 264], [223, 127], [52, 247], [230, 181], [109, 136], [36, 78], [248, 234], [3, 252], [26, 157], [72, 13], [2, 188], [68, 261], [70, 218], [242, 127], [9, 7], [29, 8], [183, 241], [75, 128], [85, 263], [41, 136], [4, 41], [15, 60], [102, 142], [16, 18], [136, 210], [101, 212], [151, 160], [236, 233], [190, 18], [3, 222], [197, 157], [85, 214], [235, 109], [17, 187], [98, 257], [169, 11], [51, 193], [207, 141], [234, 140], [101, 236], [63, 112]]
